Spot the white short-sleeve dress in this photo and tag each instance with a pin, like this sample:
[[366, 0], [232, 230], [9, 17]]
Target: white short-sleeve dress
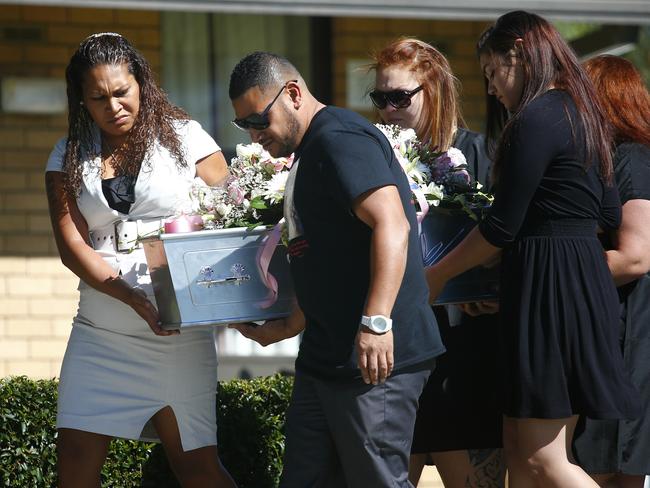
[[116, 373]]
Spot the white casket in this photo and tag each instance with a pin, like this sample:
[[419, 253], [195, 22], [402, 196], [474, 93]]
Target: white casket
[[213, 277], [441, 230]]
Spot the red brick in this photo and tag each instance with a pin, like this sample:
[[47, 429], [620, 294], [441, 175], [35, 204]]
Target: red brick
[[13, 222], [42, 139], [68, 34], [148, 38], [36, 180], [9, 12], [153, 56], [446, 29], [25, 245], [44, 14], [47, 55], [91, 16], [14, 121], [11, 138], [11, 54], [137, 17], [360, 24], [25, 158], [39, 223], [26, 201], [12, 180], [409, 28]]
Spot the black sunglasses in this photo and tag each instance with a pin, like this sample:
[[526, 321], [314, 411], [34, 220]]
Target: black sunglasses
[[259, 121], [397, 98]]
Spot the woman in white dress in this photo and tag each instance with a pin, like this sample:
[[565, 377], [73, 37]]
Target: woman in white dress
[[128, 162]]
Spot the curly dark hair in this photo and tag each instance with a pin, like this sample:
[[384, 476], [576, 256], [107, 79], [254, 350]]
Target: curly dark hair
[[155, 121]]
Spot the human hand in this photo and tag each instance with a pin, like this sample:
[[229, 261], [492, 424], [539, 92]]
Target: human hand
[[139, 302], [375, 355], [436, 281], [480, 308], [269, 332]]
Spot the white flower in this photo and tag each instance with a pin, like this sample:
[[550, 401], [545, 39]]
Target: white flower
[[387, 130], [456, 156], [247, 151], [223, 209], [420, 172], [433, 192], [275, 187], [406, 136]]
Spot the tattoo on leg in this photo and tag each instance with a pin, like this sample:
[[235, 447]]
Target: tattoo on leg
[[489, 469]]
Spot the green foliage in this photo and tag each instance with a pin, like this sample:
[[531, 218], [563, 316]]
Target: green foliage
[[573, 30], [27, 435], [250, 421], [250, 418], [28, 440]]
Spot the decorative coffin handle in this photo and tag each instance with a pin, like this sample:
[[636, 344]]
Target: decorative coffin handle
[[237, 280], [208, 280]]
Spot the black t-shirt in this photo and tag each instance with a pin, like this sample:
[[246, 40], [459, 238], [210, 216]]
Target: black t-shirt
[[542, 175], [632, 171], [341, 157]]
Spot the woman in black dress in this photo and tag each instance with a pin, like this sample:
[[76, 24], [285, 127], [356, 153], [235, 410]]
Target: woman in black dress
[[458, 424], [613, 451], [558, 304]]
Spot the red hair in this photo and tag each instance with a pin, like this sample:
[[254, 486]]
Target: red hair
[[441, 110], [623, 96]]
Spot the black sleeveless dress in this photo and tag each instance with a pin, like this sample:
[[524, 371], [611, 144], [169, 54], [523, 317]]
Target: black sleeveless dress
[[559, 308]]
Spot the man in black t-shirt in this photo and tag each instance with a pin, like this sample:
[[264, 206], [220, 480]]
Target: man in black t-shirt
[[370, 337]]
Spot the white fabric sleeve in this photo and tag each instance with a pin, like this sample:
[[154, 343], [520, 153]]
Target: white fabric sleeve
[[55, 161], [198, 142]]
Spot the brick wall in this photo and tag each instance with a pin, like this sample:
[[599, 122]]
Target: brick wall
[[355, 38], [37, 300], [37, 294]]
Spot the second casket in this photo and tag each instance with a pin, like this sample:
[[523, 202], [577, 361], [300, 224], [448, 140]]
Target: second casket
[[213, 277], [441, 230]]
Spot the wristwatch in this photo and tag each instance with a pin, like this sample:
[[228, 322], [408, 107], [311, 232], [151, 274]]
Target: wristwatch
[[377, 323]]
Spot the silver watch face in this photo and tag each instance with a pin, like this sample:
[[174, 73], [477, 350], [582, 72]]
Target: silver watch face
[[379, 324]]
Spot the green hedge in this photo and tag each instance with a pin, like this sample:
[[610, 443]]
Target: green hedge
[[250, 421]]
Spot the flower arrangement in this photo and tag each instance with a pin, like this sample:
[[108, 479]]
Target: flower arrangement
[[441, 177], [252, 194]]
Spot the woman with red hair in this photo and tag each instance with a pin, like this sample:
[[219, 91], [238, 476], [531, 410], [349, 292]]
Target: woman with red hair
[[558, 303], [616, 452], [458, 424]]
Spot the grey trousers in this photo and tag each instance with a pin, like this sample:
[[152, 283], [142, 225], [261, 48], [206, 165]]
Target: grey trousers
[[346, 434]]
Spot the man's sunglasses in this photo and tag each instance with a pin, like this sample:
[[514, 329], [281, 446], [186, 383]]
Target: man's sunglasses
[[397, 98], [259, 121]]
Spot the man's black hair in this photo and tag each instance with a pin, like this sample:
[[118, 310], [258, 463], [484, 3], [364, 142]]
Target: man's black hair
[[262, 69]]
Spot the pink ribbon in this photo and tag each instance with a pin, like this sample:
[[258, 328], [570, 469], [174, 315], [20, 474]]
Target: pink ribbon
[[264, 255], [184, 223]]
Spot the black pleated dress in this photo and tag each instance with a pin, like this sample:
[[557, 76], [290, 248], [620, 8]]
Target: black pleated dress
[[459, 407], [623, 446], [559, 350]]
